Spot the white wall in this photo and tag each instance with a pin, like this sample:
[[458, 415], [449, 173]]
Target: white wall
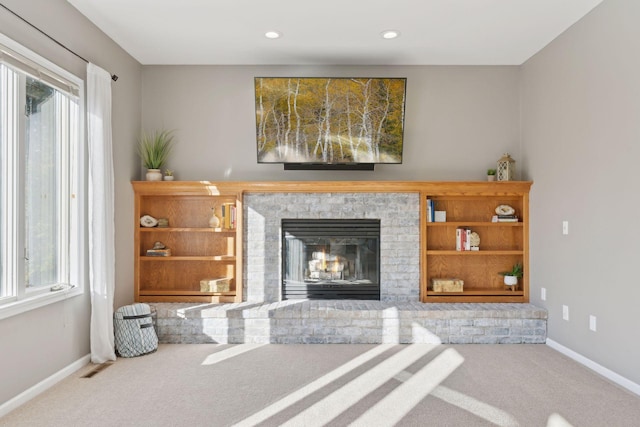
[[459, 120], [581, 139], [39, 343]]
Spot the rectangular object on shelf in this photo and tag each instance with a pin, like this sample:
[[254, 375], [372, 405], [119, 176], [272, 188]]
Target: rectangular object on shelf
[[217, 284], [440, 216], [463, 239], [159, 252], [228, 216], [447, 285]]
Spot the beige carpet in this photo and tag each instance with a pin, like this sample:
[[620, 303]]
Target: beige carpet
[[335, 385]]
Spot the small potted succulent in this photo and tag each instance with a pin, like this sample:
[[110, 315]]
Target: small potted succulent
[[511, 277], [491, 174], [168, 175]]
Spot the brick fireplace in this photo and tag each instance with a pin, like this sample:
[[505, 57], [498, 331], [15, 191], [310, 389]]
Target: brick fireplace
[[399, 217], [399, 316]]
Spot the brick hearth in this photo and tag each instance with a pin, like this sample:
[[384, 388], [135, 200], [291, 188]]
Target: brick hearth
[[348, 321]]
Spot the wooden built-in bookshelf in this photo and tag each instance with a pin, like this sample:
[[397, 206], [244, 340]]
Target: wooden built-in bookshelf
[[502, 244], [198, 251]]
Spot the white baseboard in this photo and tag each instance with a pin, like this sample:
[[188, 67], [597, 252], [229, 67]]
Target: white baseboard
[[607, 373], [43, 385]]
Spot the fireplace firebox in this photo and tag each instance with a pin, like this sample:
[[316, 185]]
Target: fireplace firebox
[[331, 259]]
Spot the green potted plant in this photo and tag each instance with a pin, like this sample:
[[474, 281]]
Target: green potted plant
[[168, 175], [511, 277], [154, 149], [491, 174]]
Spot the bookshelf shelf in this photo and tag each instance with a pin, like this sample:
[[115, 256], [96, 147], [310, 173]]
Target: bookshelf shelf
[[186, 230], [188, 258], [184, 293], [502, 244], [197, 251], [473, 253], [486, 292], [474, 224]]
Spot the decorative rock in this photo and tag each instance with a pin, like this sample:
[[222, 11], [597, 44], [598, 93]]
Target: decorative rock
[[148, 221]]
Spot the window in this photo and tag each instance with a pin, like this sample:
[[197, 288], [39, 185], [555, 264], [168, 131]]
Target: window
[[41, 168]]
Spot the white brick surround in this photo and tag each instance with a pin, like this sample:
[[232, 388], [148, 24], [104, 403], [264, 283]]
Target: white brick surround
[[399, 215], [351, 322]]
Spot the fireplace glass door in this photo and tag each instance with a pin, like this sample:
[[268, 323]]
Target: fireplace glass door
[[331, 259]]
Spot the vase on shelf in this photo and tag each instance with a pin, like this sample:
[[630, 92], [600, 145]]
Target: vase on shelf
[[154, 175], [214, 221]]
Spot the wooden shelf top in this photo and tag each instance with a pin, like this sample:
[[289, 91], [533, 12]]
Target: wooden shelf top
[[474, 224], [228, 188], [186, 230], [188, 258], [490, 292], [472, 253], [181, 292]]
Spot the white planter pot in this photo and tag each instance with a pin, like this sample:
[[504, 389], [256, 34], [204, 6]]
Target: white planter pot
[[168, 178], [154, 175], [511, 280]]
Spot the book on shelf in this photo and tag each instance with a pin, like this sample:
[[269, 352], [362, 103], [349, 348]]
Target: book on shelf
[[431, 210], [463, 239], [228, 215], [505, 218], [159, 252]]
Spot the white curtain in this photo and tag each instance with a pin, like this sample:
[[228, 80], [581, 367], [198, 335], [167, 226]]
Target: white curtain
[[101, 214]]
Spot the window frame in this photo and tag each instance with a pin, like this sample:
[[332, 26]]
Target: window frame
[[22, 297]]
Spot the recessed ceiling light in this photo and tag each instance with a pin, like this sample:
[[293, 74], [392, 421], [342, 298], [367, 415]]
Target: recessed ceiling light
[[273, 34], [390, 34]]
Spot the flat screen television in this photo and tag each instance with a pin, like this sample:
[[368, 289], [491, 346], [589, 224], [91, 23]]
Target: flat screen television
[[329, 123]]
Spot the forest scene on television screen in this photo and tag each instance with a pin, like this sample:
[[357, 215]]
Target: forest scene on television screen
[[318, 120]]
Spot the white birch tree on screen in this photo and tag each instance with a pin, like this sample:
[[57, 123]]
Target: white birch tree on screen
[[329, 120]]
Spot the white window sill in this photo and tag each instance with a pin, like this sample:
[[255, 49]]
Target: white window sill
[[40, 300]]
